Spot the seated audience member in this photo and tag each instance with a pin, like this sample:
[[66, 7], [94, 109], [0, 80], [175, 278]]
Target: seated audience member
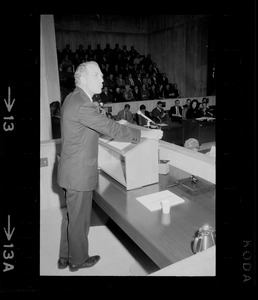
[[148, 80], [192, 144], [129, 80], [67, 51], [185, 108], [67, 64], [118, 95], [138, 80], [128, 94], [175, 92], [80, 51], [158, 113], [187, 104], [164, 79], [175, 112], [137, 93], [116, 71], [89, 52], [110, 83], [125, 114], [106, 96], [137, 60], [145, 92], [120, 81], [140, 120], [193, 111], [205, 111], [153, 93], [167, 91]]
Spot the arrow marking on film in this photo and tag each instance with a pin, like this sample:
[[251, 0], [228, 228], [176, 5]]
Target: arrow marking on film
[[8, 233], [9, 104]]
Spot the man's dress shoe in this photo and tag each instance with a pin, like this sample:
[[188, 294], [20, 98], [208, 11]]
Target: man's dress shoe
[[90, 262], [62, 263]]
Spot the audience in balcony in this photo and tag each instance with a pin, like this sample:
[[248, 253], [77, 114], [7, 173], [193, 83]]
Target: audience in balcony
[[120, 67], [66, 64], [106, 96], [137, 93], [175, 92], [67, 51], [154, 93], [138, 80], [167, 91], [129, 80], [144, 92], [128, 94], [110, 83], [120, 81], [118, 96]]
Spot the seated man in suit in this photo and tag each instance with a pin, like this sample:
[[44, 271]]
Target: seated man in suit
[[158, 113], [175, 112], [125, 114], [205, 111], [106, 96], [140, 120]]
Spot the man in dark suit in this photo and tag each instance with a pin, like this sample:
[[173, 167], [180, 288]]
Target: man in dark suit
[[175, 112], [81, 124], [158, 114]]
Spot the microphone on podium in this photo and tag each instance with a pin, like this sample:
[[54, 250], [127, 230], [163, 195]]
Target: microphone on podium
[[148, 119]]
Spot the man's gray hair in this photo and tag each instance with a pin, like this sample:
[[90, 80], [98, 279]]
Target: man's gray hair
[[192, 144], [81, 69]]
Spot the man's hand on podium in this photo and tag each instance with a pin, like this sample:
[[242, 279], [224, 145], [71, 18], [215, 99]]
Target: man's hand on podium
[[155, 134]]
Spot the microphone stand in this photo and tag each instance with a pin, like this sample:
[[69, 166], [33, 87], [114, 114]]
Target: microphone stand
[[148, 120]]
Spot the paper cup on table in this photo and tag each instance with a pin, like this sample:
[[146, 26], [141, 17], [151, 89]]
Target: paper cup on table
[[165, 206]]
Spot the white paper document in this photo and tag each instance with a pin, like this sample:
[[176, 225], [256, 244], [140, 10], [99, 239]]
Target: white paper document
[[153, 201]]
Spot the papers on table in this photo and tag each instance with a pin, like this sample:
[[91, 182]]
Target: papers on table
[[205, 118], [153, 201]]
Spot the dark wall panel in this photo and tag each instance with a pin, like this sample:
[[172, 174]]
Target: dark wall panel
[[181, 52]]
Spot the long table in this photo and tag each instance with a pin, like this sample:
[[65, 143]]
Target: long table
[[166, 239], [203, 131]]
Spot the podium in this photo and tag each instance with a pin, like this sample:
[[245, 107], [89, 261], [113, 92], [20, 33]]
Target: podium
[[132, 165]]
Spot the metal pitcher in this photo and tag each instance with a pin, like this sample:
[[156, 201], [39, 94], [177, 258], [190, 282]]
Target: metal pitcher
[[204, 239]]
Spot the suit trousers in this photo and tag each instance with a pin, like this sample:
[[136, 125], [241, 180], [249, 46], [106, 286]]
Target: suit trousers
[[75, 226]]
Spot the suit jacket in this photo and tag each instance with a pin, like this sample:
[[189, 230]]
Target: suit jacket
[[106, 98], [157, 114], [81, 124], [121, 116], [173, 111]]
